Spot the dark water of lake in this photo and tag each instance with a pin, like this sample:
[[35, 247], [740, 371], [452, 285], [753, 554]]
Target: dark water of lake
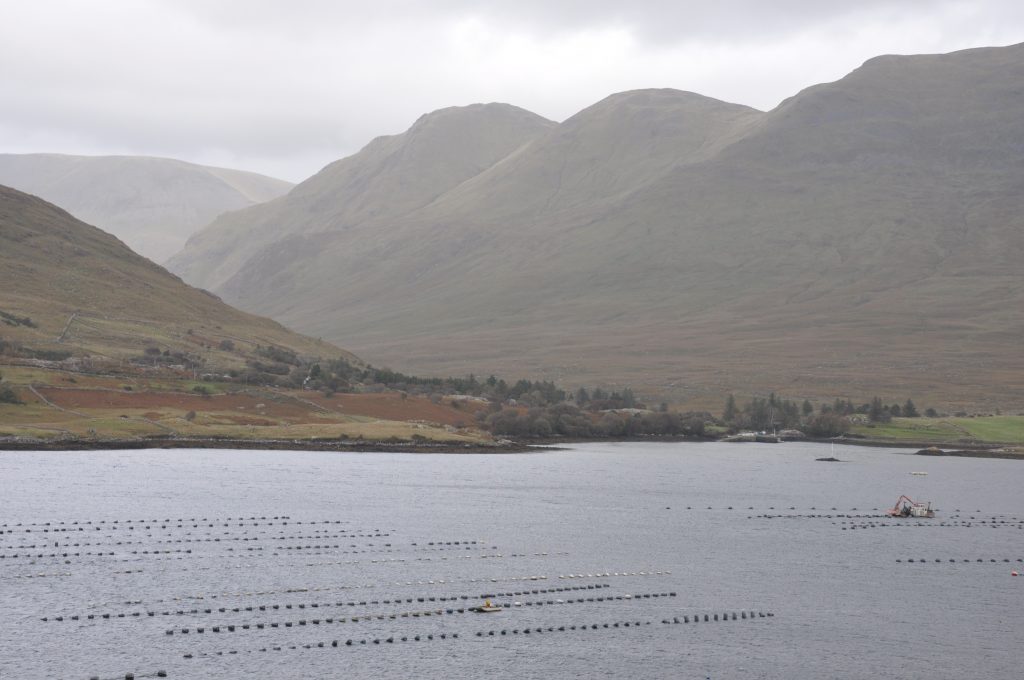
[[379, 530]]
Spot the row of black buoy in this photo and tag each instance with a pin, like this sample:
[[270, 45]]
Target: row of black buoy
[[711, 618], [88, 544], [162, 555], [54, 555], [247, 565], [48, 527], [133, 676], [323, 605], [414, 614], [134, 527], [153, 521], [231, 628], [921, 560], [945, 524], [562, 629], [188, 551], [417, 614], [378, 584], [816, 516], [433, 545], [327, 546], [334, 644], [424, 598], [318, 535], [223, 538], [401, 559], [792, 507]]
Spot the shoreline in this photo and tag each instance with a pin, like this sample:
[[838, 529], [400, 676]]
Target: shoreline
[[961, 449], [351, 446]]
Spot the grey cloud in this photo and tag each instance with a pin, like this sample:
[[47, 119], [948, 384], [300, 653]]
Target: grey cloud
[[285, 87], [660, 19]]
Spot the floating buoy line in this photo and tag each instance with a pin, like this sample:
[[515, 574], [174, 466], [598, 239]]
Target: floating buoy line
[[388, 584], [524, 632], [179, 520], [324, 605], [979, 560], [248, 553], [284, 520], [496, 579], [357, 618], [283, 537], [210, 539], [252, 565]]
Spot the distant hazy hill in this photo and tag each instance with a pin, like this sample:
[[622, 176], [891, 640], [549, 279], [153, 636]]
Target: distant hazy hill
[[67, 286], [390, 177], [863, 237], [152, 204]]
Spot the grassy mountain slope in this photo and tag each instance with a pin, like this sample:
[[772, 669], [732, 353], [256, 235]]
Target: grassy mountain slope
[[67, 288], [862, 238], [86, 292], [390, 177], [152, 204]]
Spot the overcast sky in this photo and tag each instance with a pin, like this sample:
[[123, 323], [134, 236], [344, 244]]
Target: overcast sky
[[284, 87]]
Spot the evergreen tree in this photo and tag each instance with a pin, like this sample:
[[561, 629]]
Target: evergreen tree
[[806, 408], [628, 399], [909, 410], [878, 412], [731, 411]]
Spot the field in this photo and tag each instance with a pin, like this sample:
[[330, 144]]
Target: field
[[64, 405], [979, 430]]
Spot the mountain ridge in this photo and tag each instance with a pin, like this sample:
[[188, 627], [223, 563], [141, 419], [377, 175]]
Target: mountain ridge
[[390, 176], [860, 236], [151, 203]]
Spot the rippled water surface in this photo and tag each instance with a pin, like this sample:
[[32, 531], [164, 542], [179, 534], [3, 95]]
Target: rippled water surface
[[605, 533]]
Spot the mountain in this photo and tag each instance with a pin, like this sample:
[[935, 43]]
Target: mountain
[[68, 287], [152, 204], [861, 238], [390, 177]]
